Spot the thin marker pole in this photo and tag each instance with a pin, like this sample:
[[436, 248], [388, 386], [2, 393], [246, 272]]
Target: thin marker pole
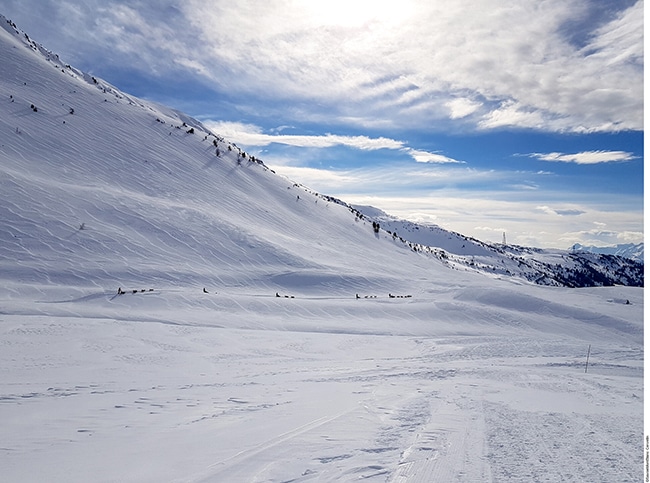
[[588, 352]]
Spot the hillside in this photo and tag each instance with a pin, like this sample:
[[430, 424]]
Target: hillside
[[93, 178], [173, 310]]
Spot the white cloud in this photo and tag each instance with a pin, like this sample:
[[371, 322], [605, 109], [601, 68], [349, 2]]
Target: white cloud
[[569, 212], [513, 114], [461, 107], [393, 181], [560, 211], [524, 186], [252, 135], [316, 177], [630, 237], [586, 157], [427, 157], [489, 64]]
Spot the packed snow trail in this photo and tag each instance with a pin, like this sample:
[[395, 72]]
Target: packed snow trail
[[177, 389]]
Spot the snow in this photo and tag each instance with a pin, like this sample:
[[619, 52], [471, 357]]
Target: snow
[[185, 386], [460, 377]]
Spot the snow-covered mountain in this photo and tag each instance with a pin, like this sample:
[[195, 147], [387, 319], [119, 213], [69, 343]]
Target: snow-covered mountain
[[172, 310], [100, 187], [633, 251]]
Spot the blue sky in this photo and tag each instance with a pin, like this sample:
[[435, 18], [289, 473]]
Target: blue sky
[[480, 116]]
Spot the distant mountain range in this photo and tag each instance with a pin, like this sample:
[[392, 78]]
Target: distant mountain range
[[627, 250]]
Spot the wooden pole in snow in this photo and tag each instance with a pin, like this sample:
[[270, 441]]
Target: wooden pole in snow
[[588, 352]]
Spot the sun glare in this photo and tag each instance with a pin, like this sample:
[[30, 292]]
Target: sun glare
[[356, 13]]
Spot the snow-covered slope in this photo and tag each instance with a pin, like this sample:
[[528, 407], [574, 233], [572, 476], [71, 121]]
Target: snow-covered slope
[[102, 189], [266, 332]]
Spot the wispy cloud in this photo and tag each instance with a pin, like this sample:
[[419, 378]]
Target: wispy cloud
[[586, 157], [252, 135], [511, 113], [461, 107], [427, 157], [483, 65], [389, 180], [560, 211], [321, 177], [516, 69]]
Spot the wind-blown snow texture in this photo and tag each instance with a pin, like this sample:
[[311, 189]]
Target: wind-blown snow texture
[[323, 350]]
